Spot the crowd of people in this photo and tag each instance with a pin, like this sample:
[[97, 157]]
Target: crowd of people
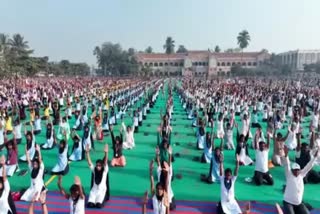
[[273, 116]]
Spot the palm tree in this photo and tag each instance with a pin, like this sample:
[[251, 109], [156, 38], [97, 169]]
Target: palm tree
[[243, 40], [169, 45], [217, 49], [4, 43], [19, 45]]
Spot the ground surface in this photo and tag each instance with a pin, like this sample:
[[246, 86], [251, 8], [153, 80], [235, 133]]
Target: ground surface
[[133, 180]]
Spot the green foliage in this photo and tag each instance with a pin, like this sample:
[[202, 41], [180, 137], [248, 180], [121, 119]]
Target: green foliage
[[169, 45], [149, 50], [113, 60], [233, 50], [16, 59], [182, 49], [217, 49], [243, 39], [312, 68]]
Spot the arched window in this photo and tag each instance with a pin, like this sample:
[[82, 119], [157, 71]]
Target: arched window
[[249, 64], [155, 64], [165, 64], [228, 64], [244, 64], [150, 64], [145, 64], [196, 63], [171, 63], [181, 63], [239, 63], [218, 64], [233, 63], [254, 64], [175, 64], [223, 64], [160, 64]]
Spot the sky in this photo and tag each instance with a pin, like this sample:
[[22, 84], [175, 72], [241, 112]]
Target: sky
[[70, 29]]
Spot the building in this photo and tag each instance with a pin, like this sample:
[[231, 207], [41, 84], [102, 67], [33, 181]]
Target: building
[[199, 63], [298, 58]]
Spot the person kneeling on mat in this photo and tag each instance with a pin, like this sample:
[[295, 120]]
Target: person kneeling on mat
[[100, 191]]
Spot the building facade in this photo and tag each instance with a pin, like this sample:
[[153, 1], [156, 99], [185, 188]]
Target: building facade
[[298, 58], [199, 63]]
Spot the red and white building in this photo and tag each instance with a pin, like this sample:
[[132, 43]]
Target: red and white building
[[199, 63]]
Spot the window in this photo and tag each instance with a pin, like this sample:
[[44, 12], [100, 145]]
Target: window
[[249, 63], [228, 63], [155, 64], [244, 64], [145, 64], [223, 64], [196, 63], [160, 64], [171, 63], [176, 64], [218, 64], [254, 64], [150, 64], [181, 63], [165, 64], [233, 63], [239, 63]]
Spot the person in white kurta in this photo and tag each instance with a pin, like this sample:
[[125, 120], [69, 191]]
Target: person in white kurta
[[36, 168], [4, 190], [76, 197], [159, 200], [62, 165], [49, 137], [228, 203], [128, 134], [291, 140], [31, 142], [99, 188]]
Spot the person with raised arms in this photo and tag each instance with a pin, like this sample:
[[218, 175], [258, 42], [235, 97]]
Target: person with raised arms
[[6, 203], [228, 203], [36, 168], [294, 189], [76, 197], [62, 165], [160, 201], [100, 191]]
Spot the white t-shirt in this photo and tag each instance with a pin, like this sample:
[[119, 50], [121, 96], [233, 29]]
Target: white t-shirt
[[262, 160], [77, 208], [293, 193], [4, 198]]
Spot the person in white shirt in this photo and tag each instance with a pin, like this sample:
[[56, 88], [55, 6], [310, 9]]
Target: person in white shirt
[[293, 193], [99, 192], [261, 173], [160, 200], [76, 196], [128, 142], [228, 203], [6, 203]]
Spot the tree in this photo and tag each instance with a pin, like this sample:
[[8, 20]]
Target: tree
[[243, 40], [233, 50], [169, 45], [182, 49], [149, 49], [112, 59], [217, 49]]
